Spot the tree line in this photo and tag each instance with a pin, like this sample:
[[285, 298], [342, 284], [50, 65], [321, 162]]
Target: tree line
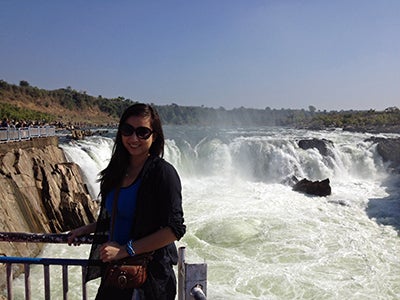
[[80, 101]]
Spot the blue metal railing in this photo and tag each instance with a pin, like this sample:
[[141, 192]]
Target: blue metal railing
[[192, 278], [9, 261], [10, 134], [196, 292], [46, 263]]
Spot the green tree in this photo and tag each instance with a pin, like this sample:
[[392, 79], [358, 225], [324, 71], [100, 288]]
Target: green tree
[[24, 83]]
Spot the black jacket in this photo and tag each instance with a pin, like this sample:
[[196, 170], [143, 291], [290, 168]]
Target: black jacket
[[159, 204]]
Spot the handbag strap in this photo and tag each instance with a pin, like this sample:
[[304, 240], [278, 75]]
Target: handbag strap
[[114, 212]]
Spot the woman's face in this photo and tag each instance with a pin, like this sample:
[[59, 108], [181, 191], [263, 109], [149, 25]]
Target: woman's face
[[137, 147]]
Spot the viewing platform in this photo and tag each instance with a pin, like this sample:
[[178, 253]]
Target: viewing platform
[[10, 134]]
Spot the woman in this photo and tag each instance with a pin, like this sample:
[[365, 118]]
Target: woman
[[149, 215]]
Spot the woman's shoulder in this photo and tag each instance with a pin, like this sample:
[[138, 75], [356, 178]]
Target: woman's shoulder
[[160, 164], [160, 170]]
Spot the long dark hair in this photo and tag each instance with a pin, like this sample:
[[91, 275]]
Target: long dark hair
[[112, 175]]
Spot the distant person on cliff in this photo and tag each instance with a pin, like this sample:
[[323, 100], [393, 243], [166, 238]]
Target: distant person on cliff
[[149, 215], [4, 123]]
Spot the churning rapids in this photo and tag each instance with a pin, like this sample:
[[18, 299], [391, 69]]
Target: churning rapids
[[260, 239]]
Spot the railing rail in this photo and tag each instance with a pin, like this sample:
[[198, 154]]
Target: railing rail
[[192, 278], [50, 238], [10, 134]]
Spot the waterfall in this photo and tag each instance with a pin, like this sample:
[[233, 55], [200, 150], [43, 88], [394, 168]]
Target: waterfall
[[260, 239]]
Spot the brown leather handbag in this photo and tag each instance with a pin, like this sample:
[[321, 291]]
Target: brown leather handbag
[[129, 272]]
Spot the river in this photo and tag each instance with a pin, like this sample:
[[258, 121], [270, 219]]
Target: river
[[260, 239]]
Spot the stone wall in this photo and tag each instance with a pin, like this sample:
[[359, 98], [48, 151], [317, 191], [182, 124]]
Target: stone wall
[[40, 192]]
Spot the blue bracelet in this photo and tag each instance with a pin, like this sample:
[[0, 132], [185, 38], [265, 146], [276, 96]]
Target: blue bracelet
[[129, 248]]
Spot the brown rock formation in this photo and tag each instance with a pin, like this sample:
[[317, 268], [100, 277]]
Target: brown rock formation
[[77, 134], [40, 192], [388, 149], [318, 188], [320, 145]]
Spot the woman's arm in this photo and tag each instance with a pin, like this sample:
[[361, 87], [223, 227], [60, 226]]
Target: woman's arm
[[113, 251], [154, 241]]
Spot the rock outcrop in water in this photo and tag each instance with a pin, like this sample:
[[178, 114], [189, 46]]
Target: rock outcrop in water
[[318, 188], [389, 150], [40, 192], [320, 145]]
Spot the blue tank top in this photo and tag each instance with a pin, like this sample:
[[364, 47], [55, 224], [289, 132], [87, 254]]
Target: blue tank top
[[126, 210]]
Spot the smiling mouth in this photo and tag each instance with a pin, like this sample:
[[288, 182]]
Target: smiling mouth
[[134, 146]]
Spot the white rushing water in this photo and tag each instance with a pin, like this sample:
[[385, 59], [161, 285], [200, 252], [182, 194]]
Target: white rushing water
[[260, 239]]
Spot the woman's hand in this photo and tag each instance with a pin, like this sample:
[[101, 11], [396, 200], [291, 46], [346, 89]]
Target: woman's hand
[[73, 234], [112, 251], [84, 230]]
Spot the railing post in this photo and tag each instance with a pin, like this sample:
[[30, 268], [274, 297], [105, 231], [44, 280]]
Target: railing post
[[195, 277], [192, 279], [46, 269], [84, 290], [65, 281], [27, 270], [181, 274], [9, 282]]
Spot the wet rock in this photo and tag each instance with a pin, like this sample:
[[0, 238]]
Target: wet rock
[[388, 149], [320, 144], [318, 188], [78, 134]]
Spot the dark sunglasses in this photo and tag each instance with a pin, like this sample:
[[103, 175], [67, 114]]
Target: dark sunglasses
[[141, 132]]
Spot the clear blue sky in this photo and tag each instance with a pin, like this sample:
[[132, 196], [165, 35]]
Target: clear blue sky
[[333, 55]]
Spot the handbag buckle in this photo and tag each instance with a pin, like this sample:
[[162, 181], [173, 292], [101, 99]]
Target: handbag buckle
[[122, 280]]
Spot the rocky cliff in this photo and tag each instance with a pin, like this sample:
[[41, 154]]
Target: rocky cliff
[[40, 192]]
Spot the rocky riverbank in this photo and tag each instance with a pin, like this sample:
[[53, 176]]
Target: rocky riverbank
[[374, 129], [40, 192]]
